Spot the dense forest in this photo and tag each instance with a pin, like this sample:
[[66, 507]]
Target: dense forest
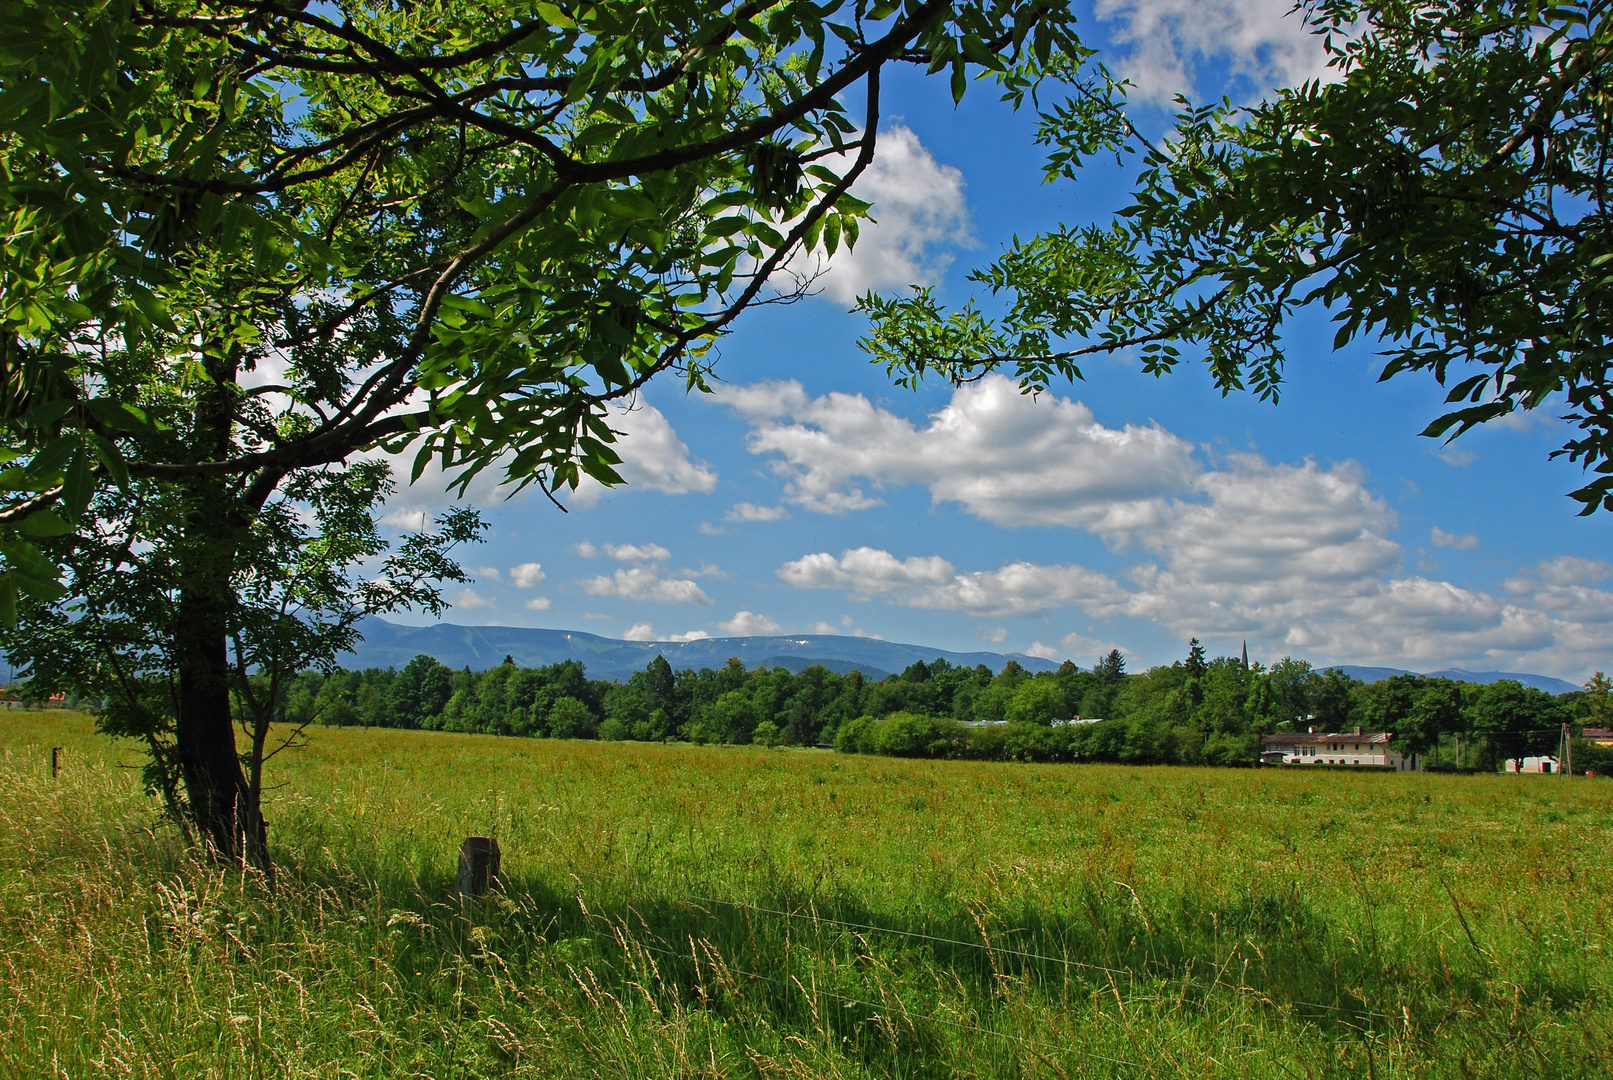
[[1195, 711]]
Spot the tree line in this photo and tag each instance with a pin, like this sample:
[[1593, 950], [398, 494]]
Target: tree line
[[1196, 711]]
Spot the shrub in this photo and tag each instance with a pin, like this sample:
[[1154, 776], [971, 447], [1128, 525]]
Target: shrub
[[767, 734], [571, 719], [905, 734], [855, 736]]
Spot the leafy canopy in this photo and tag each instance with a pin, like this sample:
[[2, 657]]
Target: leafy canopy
[[1447, 194], [243, 239]]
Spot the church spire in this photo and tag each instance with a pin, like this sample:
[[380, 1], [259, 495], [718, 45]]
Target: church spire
[[1246, 654]]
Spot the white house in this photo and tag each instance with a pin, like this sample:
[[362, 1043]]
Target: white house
[[1543, 764], [1336, 748]]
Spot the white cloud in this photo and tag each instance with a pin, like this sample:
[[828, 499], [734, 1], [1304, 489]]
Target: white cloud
[[994, 634], [1090, 648], [488, 572], [1455, 456], [691, 635], [645, 584], [652, 456], [637, 553], [642, 631], [538, 603], [1003, 456], [633, 553], [745, 511], [1297, 557], [1464, 542], [471, 600], [1167, 45], [1017, 589], [529, 575], [919, 212], [749, 624], [708, 529], [1044, 652], [823, 628]]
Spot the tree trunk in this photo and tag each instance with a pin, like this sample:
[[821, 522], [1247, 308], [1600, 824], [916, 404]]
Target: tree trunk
[[205, 732]]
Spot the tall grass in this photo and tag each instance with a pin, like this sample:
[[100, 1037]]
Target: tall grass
[[683, 911]]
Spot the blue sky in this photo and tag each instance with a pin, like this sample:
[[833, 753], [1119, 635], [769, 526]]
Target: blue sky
[[809, 494]]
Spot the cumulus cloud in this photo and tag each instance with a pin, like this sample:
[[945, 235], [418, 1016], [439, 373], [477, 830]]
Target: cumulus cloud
[[745, 511], [645, 584], [1165, 46], [920, 215], [1003, 456], [1021, 588], [994, 634], [471, 600], [691, 635], [643, 631], [637, 553], [652, 455], [1043, 652], [538, 603], [529, 575], [633, 553], [1295, 558], [749, 624], [1464, 542]]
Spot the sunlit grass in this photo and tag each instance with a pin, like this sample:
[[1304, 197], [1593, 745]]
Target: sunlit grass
[[1252, 923]]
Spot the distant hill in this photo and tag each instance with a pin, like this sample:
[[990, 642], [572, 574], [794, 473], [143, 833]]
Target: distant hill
[[388, 644], [1539, 682]]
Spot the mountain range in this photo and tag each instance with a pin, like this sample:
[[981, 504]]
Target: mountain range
[[388, 644]]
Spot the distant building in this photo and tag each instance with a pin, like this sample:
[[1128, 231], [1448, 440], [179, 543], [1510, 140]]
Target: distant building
[[8, 700], [1543, 764], [1369, 749], [1598, 736]]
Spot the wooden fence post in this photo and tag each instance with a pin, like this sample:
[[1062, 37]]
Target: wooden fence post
[[478, 865], [55, 760]]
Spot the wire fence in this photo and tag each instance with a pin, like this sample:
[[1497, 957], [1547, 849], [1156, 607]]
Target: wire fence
[[1133, 977]]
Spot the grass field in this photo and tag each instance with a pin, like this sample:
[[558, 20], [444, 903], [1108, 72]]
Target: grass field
[[682, 911]]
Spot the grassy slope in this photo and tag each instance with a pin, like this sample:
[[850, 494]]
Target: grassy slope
[[1248, 918]]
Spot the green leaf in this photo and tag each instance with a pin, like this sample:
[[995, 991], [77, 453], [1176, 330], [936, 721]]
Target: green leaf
[[79, 485], [44, 523]]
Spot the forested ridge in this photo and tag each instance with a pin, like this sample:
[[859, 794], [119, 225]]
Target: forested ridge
[[1195, 711]]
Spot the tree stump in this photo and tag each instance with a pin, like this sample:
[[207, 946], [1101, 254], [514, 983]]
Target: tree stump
[[478, 866]]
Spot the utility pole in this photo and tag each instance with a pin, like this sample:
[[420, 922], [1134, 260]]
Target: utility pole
[[1565, 751]]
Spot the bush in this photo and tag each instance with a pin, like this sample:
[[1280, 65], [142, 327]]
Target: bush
[[571, 719], [767, 734], [613, 730], [856, 736], [905, 734]]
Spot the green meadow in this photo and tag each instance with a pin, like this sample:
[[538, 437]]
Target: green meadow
[[685, 911]]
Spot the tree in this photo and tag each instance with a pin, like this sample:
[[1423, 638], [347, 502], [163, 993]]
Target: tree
[[1447, 194], [1111, 668], [1196, 667], [246, 242]]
